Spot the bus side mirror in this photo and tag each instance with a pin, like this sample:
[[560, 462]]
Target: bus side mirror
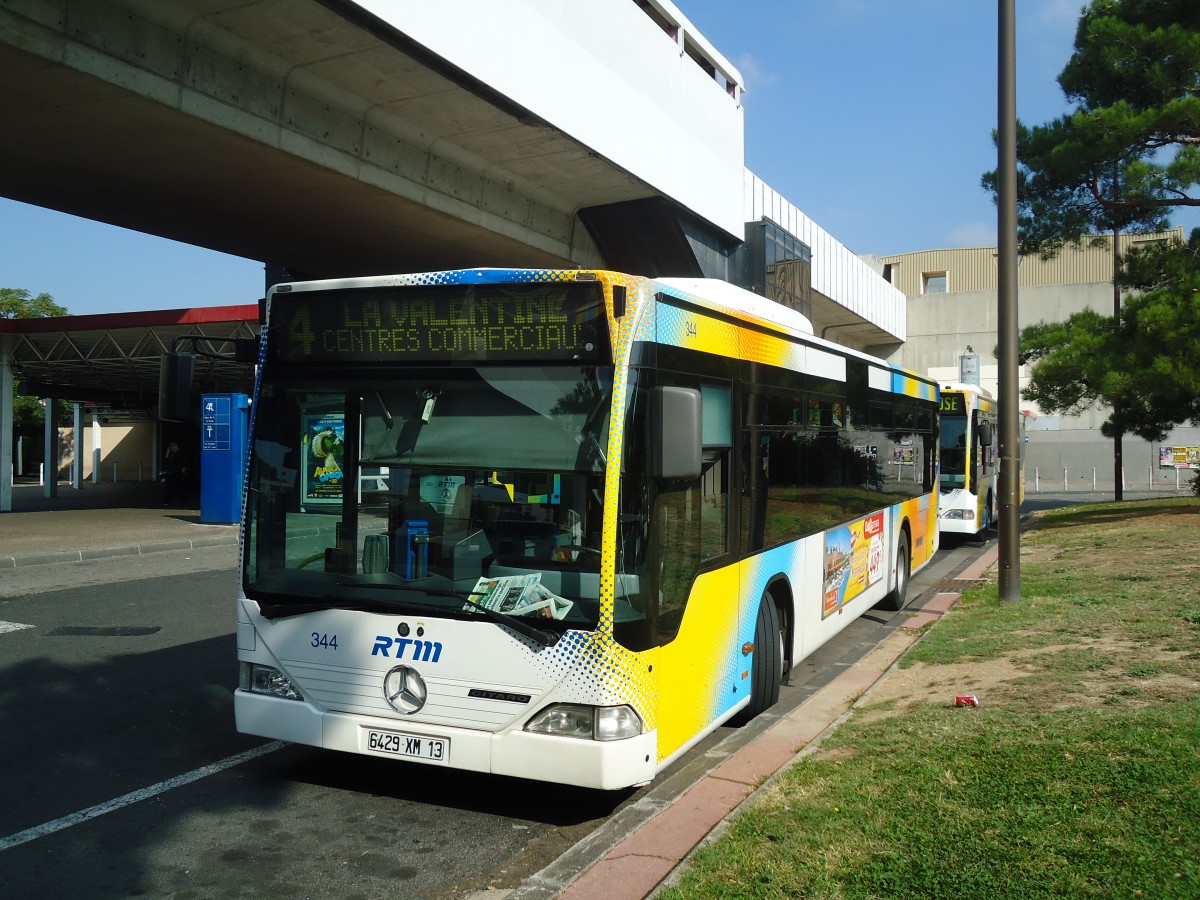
[[985, 433], [675, 434]]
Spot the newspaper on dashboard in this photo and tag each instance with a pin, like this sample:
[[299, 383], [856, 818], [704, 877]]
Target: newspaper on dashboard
[[519, 595]]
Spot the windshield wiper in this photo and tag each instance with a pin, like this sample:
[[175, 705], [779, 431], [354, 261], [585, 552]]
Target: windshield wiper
[[545, 638], [285, 610]]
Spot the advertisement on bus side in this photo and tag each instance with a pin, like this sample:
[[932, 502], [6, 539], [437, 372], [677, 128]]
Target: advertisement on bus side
[[855, 559]]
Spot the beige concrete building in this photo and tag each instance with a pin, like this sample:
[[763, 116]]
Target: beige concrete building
[[952, 311]]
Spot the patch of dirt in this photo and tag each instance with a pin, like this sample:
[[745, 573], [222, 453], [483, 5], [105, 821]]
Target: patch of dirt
[[1026, 679], [1034, 553]]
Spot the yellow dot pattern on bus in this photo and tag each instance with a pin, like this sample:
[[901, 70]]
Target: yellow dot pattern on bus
[[627, 673], [593, 667]]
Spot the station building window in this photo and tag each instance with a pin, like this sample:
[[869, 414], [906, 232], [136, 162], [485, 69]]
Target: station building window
[[933, 282]]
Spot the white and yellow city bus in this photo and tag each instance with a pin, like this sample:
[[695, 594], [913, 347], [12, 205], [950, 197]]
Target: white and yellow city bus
[[970, 459], [560, 524]]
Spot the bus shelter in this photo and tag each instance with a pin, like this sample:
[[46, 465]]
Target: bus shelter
[[107, 367]]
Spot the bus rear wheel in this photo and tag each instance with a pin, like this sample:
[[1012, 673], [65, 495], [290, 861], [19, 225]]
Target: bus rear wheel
[[766, 666], [899, 595]]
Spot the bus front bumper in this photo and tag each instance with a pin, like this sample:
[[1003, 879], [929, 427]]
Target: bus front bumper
[[605, 765], [958, 521]]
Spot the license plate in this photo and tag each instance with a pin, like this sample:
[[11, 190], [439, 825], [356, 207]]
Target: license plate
[[413, 746]]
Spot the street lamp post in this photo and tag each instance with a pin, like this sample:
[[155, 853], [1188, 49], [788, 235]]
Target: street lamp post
[[1006, 302]]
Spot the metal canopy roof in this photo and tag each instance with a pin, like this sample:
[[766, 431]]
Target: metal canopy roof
[[113, 359]]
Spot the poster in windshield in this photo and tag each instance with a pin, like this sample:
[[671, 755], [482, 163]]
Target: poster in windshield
[[854, 560], [324, 445]]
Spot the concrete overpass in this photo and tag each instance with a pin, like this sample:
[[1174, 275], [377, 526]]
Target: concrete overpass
[[339, 137], [333, 137]]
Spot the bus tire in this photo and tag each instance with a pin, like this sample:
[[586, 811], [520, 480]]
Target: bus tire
[[766, 666], [895, 600]]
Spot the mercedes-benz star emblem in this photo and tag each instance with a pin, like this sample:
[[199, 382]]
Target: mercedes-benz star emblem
[[404, 690]]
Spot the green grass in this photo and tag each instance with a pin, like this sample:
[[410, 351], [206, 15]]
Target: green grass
[[1079, 776]]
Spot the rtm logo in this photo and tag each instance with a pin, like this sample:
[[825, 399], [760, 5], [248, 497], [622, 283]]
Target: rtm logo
[[422, 651]]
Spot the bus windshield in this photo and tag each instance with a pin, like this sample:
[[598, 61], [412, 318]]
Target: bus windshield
[[954, 452], [430, 487]]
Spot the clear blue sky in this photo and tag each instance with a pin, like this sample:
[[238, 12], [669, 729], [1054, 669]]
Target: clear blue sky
[[874, 117]]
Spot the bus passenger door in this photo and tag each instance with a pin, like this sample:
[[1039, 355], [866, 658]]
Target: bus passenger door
[[697, 592]]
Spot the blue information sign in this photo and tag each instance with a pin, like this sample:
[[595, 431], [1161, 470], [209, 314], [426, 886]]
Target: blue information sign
[[215, 419], [223, 436]]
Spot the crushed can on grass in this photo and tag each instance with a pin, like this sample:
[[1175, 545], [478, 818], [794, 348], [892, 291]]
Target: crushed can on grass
[[966, 700]]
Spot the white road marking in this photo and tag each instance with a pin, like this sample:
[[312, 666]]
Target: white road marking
[[92, 812], [12, 626]]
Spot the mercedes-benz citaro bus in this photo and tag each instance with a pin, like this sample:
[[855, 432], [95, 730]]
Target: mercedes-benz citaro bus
[[970, 463], [560, 524]]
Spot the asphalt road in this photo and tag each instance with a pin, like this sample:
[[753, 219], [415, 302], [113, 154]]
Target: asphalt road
[[123, 686], [121, 774]]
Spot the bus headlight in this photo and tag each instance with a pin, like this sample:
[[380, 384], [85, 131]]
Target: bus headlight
[[596, 723], [264, 680], [967, 514]]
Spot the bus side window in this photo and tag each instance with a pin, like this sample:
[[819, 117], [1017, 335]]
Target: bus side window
[[714, 479]]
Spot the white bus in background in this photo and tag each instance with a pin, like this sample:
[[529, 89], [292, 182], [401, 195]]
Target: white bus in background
[[970, 462]]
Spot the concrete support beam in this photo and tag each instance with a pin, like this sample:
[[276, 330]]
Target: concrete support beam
[[97, 448], [77, 446], [6, 427], [50, 450]]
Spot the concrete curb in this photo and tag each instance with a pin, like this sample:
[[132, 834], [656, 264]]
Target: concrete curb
[[91, 555], [648, 854]]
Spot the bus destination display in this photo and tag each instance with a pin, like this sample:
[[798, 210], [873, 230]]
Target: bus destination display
[[413, 324], [952, 404]]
